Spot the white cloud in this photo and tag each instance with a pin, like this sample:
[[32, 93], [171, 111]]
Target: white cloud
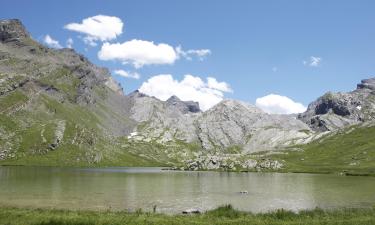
[[69, 43], [100, 27], [277, 104], [88, 40], [191, 88], [313, 62], [127, 74], [48, 40], [221, 86], [200, 53], [138, 53]]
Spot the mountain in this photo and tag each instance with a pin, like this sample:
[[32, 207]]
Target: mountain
[[337, 110], [57, 108]]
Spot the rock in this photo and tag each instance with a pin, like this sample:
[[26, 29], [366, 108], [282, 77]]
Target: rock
[[336, 110], [183, 106], [235, 123], [12, 30], [191, 211], [367, 84]]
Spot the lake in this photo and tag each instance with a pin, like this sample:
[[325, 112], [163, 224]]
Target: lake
[[175, 191]]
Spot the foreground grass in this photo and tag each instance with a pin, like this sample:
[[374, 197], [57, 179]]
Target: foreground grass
[[221, 215]]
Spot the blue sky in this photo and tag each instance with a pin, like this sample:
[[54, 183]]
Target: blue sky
[[257, 47]]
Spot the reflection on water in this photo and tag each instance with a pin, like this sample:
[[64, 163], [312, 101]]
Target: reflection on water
[[173, 191]]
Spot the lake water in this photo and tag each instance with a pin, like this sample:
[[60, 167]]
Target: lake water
[[174, 191]]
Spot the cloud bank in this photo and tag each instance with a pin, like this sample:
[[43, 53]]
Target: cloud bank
[[277, 104], [190, 88], [138, 53]]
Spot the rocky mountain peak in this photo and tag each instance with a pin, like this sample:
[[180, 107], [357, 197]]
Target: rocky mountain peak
[[11, 30], [367, 84], [337, 110], [137, 94], [183, 106], [173, 98], [231, 104]]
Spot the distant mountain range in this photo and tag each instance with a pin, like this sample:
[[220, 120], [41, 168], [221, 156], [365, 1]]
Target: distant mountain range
[[57, 108]]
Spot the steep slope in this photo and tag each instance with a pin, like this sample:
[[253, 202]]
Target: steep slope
[[234, 123], [230, 124], [56, 107]]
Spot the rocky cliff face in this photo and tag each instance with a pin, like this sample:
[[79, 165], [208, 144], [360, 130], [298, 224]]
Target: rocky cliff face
[[337, 110], [12, 30], [234, 123], [229, 124]]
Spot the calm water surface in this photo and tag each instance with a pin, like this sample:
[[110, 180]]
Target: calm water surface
[[173, 191]]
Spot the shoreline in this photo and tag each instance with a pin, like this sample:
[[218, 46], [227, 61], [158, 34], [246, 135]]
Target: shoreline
[[163, 168]]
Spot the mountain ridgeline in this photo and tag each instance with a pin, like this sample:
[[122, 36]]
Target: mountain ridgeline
[[57, 108]]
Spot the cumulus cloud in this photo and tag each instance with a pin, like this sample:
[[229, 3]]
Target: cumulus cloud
[[69, 43], [277, 104], [48, 40], [191, 88], [221, 86], [138, 53], [99, 27], [313, 62], [127, 74], [200, 53]]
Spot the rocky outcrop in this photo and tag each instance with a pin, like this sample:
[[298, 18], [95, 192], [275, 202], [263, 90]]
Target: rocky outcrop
[[12, 30], [183, 106], [161, 121], [367, 84], [337, 110]]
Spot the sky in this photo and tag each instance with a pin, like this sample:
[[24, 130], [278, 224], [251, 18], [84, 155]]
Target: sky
[[279, 55]]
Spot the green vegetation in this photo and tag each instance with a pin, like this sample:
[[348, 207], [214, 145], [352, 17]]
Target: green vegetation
[[13, 99], [221, 215], [351, 151]]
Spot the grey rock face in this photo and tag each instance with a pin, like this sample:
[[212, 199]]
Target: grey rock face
[[11, 30], [367, 84], [229, 124], [183, 106], [161, 121], [336, 110], [234, 123]]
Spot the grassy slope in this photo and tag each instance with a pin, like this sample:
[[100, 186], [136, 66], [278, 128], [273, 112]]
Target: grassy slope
[[23, 132], [350, 151], [222, 215]]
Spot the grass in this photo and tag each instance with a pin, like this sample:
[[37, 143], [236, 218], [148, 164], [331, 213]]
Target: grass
[[222, 215], [11, 99], [351, 151]]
